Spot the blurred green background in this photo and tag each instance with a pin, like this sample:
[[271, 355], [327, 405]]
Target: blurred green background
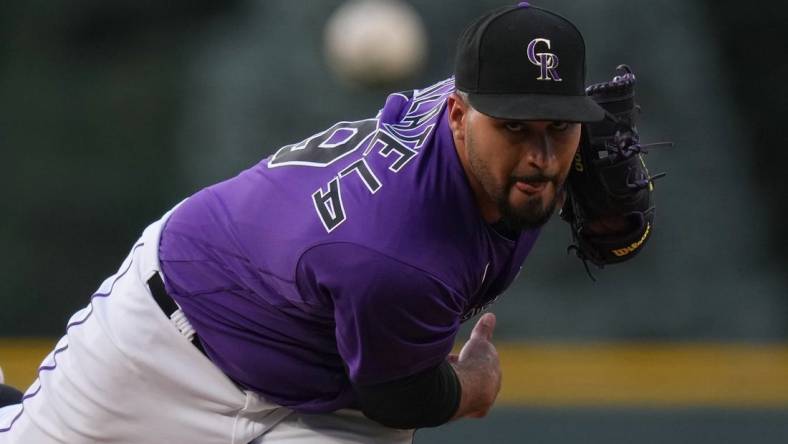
[[112, 112]]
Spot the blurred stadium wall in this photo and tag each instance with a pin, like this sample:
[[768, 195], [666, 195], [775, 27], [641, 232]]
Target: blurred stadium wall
[[114, 111]]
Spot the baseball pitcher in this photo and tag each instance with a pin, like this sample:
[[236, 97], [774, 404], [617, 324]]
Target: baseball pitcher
[[316, 296]]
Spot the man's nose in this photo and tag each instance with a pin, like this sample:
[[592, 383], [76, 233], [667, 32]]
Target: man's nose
[[538, 152]]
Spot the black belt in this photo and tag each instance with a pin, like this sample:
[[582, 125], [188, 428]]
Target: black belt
[[167, 304]]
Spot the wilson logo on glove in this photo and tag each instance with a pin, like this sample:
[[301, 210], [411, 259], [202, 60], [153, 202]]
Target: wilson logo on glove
[[578, 163], [635, 245]]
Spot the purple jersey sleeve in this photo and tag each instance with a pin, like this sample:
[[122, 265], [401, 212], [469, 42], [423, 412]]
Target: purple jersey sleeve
[[392, 319]]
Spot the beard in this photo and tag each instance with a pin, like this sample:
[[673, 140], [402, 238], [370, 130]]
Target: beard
[[535, 212]]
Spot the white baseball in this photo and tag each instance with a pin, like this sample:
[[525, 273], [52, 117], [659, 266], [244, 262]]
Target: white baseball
[[375, 42]]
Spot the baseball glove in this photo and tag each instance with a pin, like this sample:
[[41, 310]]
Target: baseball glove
[[609, 190]]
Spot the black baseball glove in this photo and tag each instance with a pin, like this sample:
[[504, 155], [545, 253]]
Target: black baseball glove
[[609, 190]]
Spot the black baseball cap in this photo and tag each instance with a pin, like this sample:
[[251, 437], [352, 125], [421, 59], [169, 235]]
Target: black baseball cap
[[525, 63]]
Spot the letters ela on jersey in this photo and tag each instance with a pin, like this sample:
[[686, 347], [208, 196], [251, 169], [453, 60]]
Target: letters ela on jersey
[[400, 142]]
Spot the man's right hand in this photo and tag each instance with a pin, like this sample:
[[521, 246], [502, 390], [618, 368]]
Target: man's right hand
[[478, 370]]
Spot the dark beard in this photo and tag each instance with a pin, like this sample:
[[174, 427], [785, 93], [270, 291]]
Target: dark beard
[[534, 214]]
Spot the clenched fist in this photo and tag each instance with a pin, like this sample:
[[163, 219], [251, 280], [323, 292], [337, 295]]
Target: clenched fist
[[478, 370]]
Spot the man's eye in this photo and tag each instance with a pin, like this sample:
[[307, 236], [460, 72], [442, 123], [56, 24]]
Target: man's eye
[[559, 126], [514, 127]]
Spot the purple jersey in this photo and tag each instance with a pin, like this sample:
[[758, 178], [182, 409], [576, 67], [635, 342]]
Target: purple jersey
[[352, 255]]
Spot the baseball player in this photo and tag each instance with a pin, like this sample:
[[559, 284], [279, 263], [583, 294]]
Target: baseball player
[[316, 297]]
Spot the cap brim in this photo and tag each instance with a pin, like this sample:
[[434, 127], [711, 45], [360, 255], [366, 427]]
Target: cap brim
[[538, 107]]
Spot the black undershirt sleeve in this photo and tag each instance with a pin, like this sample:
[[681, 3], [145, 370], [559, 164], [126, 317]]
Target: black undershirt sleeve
[[426, 399]]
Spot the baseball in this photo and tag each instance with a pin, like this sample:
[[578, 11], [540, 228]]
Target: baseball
[[375, 42]]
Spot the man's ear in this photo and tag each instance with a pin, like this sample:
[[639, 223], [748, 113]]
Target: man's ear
[[457, 112]]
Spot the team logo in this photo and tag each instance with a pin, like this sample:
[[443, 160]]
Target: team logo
[[546, 61]]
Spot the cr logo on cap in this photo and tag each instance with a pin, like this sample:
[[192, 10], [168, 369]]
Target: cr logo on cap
[[546, 61]]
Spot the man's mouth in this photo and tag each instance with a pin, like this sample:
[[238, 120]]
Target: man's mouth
[[531, 187]]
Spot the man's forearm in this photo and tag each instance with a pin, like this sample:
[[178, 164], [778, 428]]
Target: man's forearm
[[426, 399]]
